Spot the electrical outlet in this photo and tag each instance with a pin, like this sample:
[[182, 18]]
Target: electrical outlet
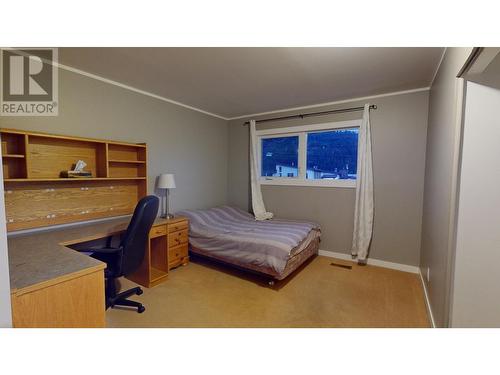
[[428, 274]]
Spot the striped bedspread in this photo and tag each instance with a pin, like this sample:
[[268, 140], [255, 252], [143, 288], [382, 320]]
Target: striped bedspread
[[232, 234]]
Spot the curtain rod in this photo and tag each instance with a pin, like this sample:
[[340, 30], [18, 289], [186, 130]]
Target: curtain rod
[[352, 109]]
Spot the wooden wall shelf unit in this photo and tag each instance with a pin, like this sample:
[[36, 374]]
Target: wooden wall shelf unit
[[36, 195]]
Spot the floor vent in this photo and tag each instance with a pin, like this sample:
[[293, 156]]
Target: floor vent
[[341, 266]]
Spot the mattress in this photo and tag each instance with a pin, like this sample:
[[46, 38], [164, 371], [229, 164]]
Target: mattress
[[233, 235]]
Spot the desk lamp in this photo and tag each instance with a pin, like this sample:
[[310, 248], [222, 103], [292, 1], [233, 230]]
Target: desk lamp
[[166, 181]]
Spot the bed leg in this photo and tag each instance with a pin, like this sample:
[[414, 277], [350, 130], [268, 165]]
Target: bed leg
[[270, 283]]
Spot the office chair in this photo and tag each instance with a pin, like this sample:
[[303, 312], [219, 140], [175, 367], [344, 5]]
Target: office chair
[[128, 256]]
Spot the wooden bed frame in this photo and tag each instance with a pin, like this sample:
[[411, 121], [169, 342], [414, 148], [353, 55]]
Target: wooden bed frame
[[292, 264]]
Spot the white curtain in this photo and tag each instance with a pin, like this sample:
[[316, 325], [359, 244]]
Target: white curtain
[[363, 212], [259, 210]]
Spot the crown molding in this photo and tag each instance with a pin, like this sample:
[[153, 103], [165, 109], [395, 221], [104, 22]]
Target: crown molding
[[331, 103], [134, 89]]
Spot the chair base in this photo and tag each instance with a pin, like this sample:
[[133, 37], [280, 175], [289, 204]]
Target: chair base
[[121, 299]]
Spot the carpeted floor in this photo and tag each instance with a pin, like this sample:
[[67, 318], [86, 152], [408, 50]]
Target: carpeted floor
[[205, 294]]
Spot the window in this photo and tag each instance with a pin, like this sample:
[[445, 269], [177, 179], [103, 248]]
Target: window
[[280, 156], [332, 154], [312, 155]]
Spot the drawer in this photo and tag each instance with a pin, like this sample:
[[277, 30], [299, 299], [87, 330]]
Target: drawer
[[157, 231], [177, 238], [181, 225], [176, 253]]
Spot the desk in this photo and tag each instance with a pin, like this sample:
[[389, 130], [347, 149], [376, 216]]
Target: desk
[[54, 286]]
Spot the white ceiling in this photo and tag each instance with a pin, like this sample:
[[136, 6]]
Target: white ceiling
[[233, 82]]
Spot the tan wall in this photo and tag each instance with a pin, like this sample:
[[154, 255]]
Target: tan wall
[[399, 128], [443, 136], [182, 141]]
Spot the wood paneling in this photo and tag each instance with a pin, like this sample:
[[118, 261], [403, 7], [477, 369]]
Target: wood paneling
[[124, 169], [49, 157], [119, 152], [74, 303], [13, 144], [28, 205]]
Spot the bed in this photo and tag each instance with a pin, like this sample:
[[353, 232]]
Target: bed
[[274, 248]]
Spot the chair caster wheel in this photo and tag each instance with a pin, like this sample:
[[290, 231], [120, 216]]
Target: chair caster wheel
[[139, 292], [141, 309]]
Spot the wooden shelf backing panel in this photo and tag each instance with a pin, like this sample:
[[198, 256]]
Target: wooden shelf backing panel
[[13, 168], [13, 143], [126, 153], [158, 251], [126, 170], [30, 206], [49, 156]]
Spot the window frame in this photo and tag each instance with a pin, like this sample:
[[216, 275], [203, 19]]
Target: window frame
[[301, 131]]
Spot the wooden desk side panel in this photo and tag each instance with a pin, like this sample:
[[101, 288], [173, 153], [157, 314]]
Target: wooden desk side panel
[[75, 303]]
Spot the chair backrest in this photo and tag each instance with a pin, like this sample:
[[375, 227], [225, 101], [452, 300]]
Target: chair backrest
[[134, 241]]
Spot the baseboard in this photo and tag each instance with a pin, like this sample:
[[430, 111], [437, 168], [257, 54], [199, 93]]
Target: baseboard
[[427, 300], [373, 262]]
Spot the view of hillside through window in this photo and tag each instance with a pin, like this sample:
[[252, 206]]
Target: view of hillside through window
[[280, 156], [330, 154]]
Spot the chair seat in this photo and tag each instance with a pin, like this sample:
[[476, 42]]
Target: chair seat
[[112, 260]]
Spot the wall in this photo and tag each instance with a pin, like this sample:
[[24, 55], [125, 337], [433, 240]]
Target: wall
[[187, 143], [476, 284], [5, 307], [443, 145], [399, 135]]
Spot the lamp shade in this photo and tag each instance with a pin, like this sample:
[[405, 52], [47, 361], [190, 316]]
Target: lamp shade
[[166, 181]]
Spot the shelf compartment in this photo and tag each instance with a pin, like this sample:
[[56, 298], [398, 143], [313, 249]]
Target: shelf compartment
[[157, 275], [14, 168], [13, 144], [48, 157], [123, 153], [126, 169]]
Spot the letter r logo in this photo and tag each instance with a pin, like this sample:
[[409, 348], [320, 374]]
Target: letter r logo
[[27, 77], [18, 74]]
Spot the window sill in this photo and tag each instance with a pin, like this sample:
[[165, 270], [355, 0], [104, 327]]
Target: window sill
[[313, 183]]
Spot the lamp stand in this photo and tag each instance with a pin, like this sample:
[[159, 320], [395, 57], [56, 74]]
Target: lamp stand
[[166, 214]]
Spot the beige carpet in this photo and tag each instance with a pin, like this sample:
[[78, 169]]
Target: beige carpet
[[205, 294]]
